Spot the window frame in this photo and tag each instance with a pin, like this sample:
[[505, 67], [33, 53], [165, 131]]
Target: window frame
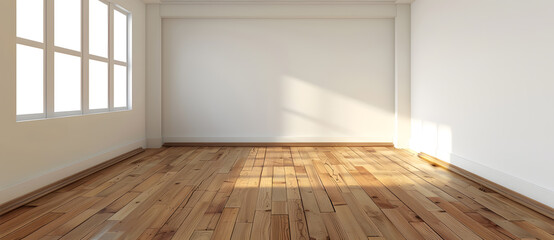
[[88, 57], [127, 63], [39, 45], [49, 50]]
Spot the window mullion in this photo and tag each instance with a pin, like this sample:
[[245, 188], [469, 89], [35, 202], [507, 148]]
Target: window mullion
[[49, 63], [120, 63], [110, 56], [30, 43], [85, 58], [45, 59], [97, 58], [68, 51]]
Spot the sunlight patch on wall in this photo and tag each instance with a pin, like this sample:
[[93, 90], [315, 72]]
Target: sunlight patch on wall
[[309, 109], [432, 138]]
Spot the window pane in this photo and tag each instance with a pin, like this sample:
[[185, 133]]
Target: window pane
[[120, 36], [67, 24], [120, 86], [30, 80], [98, 85], [98, 29], [67, 83], [30, 19]]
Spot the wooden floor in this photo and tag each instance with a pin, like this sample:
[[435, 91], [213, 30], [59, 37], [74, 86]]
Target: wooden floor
[[274, 193]]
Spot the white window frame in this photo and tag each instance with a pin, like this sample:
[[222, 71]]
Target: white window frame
[[126, 64], [87, 57], [50, 49], [39, 45]]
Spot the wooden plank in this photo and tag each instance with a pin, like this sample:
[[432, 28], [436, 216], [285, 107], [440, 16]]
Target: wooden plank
[[425, 231], [297, 220], [248, 209], [242, 231], [506, 224], [402, 224], [280, 227], [56, 225], [291, 183], [365, 222], [99, 230], [261, 225], [83, 229], [32, 226], [491, 226], [279, 207], [189, 224], [321, 196], [314, 220], [534, 230], [279, 193], [462, 231], [333, 226], [202, 235], [226, 224], [120, 202], [373, 187], [250, 196], [28, 216], [479, 229], [149, 233], [263, 202], [349, 224], [331, 188]]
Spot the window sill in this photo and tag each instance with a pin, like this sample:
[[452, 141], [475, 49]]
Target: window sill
[[41, 116]]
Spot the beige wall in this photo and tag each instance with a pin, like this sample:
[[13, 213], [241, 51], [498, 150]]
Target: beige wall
[[36, 153]]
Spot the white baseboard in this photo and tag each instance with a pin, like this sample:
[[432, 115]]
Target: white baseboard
[[522, 186], [276, 139], [35, 182]]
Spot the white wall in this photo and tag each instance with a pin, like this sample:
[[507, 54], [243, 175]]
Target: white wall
[[482, 89], [278, 80], [36, 153]]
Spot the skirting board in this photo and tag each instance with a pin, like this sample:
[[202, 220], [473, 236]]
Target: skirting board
[[278, 144], [29, 197], [517, 197]]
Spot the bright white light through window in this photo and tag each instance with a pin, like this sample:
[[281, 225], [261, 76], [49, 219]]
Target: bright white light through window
[[98, 85], [67, 24], [98, 29], [67, 83], [30, 80], [120, 36], [30, 19], [43, 95], [120, 86]]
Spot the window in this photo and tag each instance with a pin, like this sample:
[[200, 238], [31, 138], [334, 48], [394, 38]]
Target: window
[[72, 58], [30, 59], [120, 60]]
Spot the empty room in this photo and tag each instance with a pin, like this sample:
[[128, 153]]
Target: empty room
[[276, 119]]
